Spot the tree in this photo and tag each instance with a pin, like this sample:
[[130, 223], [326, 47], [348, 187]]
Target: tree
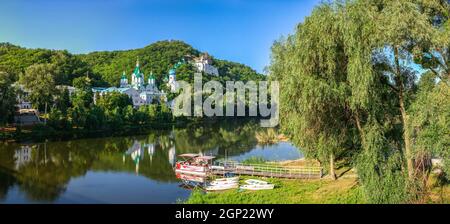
[[114, 100], [347, 81], [435, 55], [151, 111], [39, 80], [58, 120], [158, 58], [429, 124], [15, 60], [96, 118], [129, 114], [78, 115], [83, 97], [165, 113], [404, 30], [141, 116], [402, 27], [105, 68], [62, 100], [311, 67], [430, 113], [8, 98], [68, 67]]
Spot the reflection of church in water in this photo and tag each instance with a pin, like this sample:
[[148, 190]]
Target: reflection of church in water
[[22, 156], [138, 150]]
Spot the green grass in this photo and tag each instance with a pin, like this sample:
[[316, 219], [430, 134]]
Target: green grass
[[343, 191], [254, 160], [267, 136]]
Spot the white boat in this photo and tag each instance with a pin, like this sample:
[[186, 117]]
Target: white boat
[[255, 187], [227, 179], [221, 187], [253, 181], [223, 182], [217, 167]]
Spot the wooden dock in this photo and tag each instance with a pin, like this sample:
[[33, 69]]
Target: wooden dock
[[268, 170]]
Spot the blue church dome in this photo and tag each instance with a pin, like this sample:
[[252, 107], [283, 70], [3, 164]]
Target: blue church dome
[[172, 71]]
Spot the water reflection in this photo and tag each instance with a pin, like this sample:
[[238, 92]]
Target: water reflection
[[74, 171], [22, 156]]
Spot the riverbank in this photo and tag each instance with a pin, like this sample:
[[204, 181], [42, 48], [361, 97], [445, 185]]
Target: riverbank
[[270, 136], [41, 133], [286, 191], [345, 190], [324, 191]]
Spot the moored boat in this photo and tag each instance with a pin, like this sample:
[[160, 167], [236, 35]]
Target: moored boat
[[253, 181], [221, 187], [252, 184], [223, 182], [215, 167], [227, 179], [194, 164], [255, 187]]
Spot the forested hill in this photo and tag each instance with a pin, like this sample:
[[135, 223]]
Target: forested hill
[[106, 67]]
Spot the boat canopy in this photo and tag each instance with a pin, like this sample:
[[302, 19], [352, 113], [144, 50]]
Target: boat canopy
[[189, 155], [205, 157]]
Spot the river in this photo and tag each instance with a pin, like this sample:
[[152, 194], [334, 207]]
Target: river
[[131, 169]]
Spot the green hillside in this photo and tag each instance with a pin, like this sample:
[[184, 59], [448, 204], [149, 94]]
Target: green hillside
[[106, 67]]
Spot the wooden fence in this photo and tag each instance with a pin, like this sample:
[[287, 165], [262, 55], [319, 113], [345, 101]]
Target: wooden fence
[[267, 170]]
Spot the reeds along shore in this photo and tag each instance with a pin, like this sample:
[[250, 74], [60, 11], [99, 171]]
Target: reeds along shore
[[270, 136]]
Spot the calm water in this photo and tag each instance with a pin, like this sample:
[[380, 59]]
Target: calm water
[[134, 169]]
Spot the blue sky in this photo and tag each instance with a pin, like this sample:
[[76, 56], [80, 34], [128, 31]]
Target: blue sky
[[237, 30]]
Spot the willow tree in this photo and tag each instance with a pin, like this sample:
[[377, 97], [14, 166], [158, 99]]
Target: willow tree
[[347, 79], [429, 124], [314, 100], [402, 27], [404, 32]]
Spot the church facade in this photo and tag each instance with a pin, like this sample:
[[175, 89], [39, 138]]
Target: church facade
[[145, 91], [140, 91], [203, 63]]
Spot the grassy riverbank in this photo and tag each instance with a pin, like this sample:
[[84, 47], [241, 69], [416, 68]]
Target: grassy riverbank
[[324, 191], [290, 191], [345, 190], [342, 191]]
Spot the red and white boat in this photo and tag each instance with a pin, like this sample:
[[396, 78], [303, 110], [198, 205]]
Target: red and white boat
[[194, 164], [190, 178]]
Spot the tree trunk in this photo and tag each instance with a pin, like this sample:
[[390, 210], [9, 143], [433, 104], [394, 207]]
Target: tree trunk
[[360, 129], [332, 173], [407, 139], [45, 118], [406, 134]]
